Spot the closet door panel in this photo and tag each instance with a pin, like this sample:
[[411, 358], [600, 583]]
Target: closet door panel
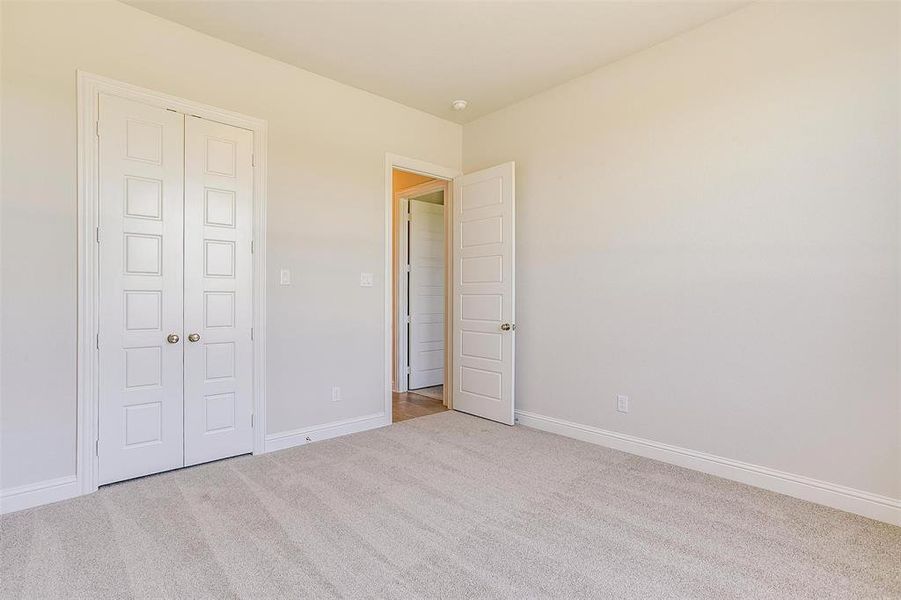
[[218, 290], [141, 304]]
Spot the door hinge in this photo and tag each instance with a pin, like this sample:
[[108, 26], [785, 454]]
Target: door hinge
[[408, 319], [251, 334], [97, 128], [251, 420], [253, 160], [407, 267], [97, 339], [97, 233], [251, 246], [97, 447], [407, 369]]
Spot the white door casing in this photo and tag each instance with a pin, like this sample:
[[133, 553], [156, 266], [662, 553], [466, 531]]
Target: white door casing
[[218, 290], [141, 227], [426, 294], [484, 307]]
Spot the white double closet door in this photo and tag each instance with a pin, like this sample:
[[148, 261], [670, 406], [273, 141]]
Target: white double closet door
[[175, 340]]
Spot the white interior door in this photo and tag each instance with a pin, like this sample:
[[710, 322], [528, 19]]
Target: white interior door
[[426, 294], [484, 308], [140, 236], [218, 290]]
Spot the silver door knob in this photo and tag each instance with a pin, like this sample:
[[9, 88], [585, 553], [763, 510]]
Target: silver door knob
[[172, 339], [507, 326], [194, 337]]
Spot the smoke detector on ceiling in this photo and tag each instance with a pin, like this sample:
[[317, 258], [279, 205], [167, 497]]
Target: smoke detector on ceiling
[[459, 104]]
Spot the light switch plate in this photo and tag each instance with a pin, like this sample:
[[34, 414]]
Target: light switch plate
[[284, 277], [366, 279], [622, 403]]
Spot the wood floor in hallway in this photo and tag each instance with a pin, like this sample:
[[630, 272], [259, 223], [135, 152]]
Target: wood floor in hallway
[[409, 405]]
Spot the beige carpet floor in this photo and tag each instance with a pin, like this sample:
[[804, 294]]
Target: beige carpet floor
[[444, 506]]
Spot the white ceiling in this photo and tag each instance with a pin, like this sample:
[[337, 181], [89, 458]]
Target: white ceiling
[[429, 53]]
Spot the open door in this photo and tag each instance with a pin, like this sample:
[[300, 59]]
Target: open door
[[426, 295], [484, 307]]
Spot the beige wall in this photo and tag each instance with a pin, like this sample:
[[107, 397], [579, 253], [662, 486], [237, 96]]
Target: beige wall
[[711, 226], [327, 145]]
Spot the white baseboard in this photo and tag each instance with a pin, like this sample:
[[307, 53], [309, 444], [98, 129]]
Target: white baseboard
[[874, 506], [36, 494], [316, 433], [63, 488]]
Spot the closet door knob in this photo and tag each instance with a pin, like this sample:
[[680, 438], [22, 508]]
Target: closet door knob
[[506, 327], [172, 339], [194, 337]]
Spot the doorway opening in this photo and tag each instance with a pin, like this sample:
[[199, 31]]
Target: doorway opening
[[419, 296], [477, 288]]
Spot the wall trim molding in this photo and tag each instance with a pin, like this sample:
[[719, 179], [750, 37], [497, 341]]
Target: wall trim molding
[[874, 506], [64, 488], [36, 494], [318, 433]]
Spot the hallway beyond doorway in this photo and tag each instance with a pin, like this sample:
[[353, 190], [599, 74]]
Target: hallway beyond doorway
[[409, 405]]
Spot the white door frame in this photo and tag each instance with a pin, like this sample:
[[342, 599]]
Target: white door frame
[[90, 86], [420, 167], [401, 338]]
